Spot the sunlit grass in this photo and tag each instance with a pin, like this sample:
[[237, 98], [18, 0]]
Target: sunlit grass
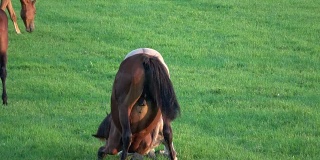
[[246, 75]]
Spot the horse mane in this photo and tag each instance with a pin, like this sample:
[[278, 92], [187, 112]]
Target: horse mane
[[159, 86]]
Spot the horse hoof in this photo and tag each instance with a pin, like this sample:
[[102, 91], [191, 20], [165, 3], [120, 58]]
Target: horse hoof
[[4, 99], [152, 155], [101, 153]]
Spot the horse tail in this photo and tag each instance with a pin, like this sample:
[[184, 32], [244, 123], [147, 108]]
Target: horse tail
[[159, 88]]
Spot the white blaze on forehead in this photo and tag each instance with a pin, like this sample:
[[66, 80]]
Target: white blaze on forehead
[[150, 52]]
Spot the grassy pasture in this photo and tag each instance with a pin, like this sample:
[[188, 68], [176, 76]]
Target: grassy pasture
[[247, 76]]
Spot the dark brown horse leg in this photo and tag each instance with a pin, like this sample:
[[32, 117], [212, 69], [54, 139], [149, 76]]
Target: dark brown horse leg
[[126, 132], [167, 134], [101, 153], [3, 75]]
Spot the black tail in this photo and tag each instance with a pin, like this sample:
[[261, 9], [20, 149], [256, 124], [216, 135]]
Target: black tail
[[159, 85]]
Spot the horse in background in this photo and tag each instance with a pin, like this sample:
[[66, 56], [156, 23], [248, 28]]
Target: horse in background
[[27, 13], [142, 96], [3, 53]]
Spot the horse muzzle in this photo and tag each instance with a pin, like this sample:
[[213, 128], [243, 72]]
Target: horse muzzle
[[30, 28]]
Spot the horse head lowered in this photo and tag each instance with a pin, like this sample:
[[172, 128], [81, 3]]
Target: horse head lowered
[[27, 13]]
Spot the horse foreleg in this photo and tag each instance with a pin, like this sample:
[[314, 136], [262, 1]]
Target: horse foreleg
[[13, 16], [168, 136], [101, 153], [113, 140], [3, 76]]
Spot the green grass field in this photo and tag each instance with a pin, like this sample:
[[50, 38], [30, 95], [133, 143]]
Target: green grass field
[[246, 73]]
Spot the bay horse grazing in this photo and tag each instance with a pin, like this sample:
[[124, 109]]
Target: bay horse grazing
[[142, 95], [27, 13], [3, 53]]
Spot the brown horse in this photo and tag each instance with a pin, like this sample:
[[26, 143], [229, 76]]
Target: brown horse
[[28, 11], [3, 53], [142, 95]]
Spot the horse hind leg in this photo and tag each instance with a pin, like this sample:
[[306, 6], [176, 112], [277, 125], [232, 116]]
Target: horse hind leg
[[3, 75], [124, 115], [168, 136], [4, 92], [126, 134]]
